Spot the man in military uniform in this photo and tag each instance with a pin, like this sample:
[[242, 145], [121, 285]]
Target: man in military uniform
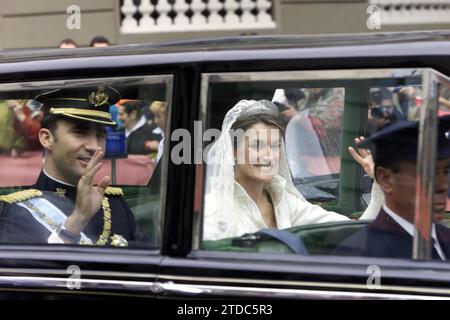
[[64, 205], [390, 235]]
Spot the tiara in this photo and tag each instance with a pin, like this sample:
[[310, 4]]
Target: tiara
[[258, 108]]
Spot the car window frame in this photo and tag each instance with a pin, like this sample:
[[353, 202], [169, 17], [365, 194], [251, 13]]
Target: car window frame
[[144, 79], [428, 76]]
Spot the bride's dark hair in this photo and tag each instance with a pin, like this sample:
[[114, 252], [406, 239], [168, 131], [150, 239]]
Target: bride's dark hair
[[245, 123]]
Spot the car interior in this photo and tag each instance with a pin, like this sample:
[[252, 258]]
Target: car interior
[[343, 188], [140, 176]]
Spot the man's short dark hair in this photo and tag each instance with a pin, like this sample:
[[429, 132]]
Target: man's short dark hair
[[131, 106], [68, 41], [49, 121], [99, 39]]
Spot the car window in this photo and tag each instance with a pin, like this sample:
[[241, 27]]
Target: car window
[[323, 196], [49, 135]]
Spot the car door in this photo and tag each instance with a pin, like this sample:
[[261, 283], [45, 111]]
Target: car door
[[249, 265], [42, 270]]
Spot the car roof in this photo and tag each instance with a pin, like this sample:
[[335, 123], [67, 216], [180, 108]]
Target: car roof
[[264, 42], [227, 49]]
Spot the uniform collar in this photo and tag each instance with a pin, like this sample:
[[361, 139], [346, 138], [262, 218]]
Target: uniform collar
[[56, 180], [406, 225], [48, 183], [409, 228]]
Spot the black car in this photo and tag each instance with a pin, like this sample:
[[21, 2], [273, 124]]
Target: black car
[[335, 88]]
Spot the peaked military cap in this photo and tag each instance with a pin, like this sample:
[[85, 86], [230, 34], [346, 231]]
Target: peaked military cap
[[86, 104], [399, 141]]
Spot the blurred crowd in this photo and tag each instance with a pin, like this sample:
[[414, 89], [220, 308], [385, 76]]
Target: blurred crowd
[[316, 115], [143, 124], [325, 106], [141, 121], [19, 126]]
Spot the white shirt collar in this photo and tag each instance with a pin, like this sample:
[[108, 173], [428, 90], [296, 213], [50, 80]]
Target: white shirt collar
[[409, 227], [59, 181], [138, 124], [160, 148], [158, 130]]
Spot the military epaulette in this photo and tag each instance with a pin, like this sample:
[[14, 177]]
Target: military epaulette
[[20, 196], [114, 191]]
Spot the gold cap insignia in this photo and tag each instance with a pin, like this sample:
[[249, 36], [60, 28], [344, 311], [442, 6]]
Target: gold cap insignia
[[98, 98], [118, 241]]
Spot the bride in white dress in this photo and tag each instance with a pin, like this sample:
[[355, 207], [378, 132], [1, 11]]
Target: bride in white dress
[[249, 186]]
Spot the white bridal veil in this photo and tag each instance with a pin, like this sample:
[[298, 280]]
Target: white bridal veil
[[220, 182]]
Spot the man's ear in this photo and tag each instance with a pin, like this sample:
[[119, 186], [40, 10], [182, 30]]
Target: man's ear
[[385, 178], [46, 138]]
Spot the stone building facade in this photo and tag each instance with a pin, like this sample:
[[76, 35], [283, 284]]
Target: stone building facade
[[44, 23]]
